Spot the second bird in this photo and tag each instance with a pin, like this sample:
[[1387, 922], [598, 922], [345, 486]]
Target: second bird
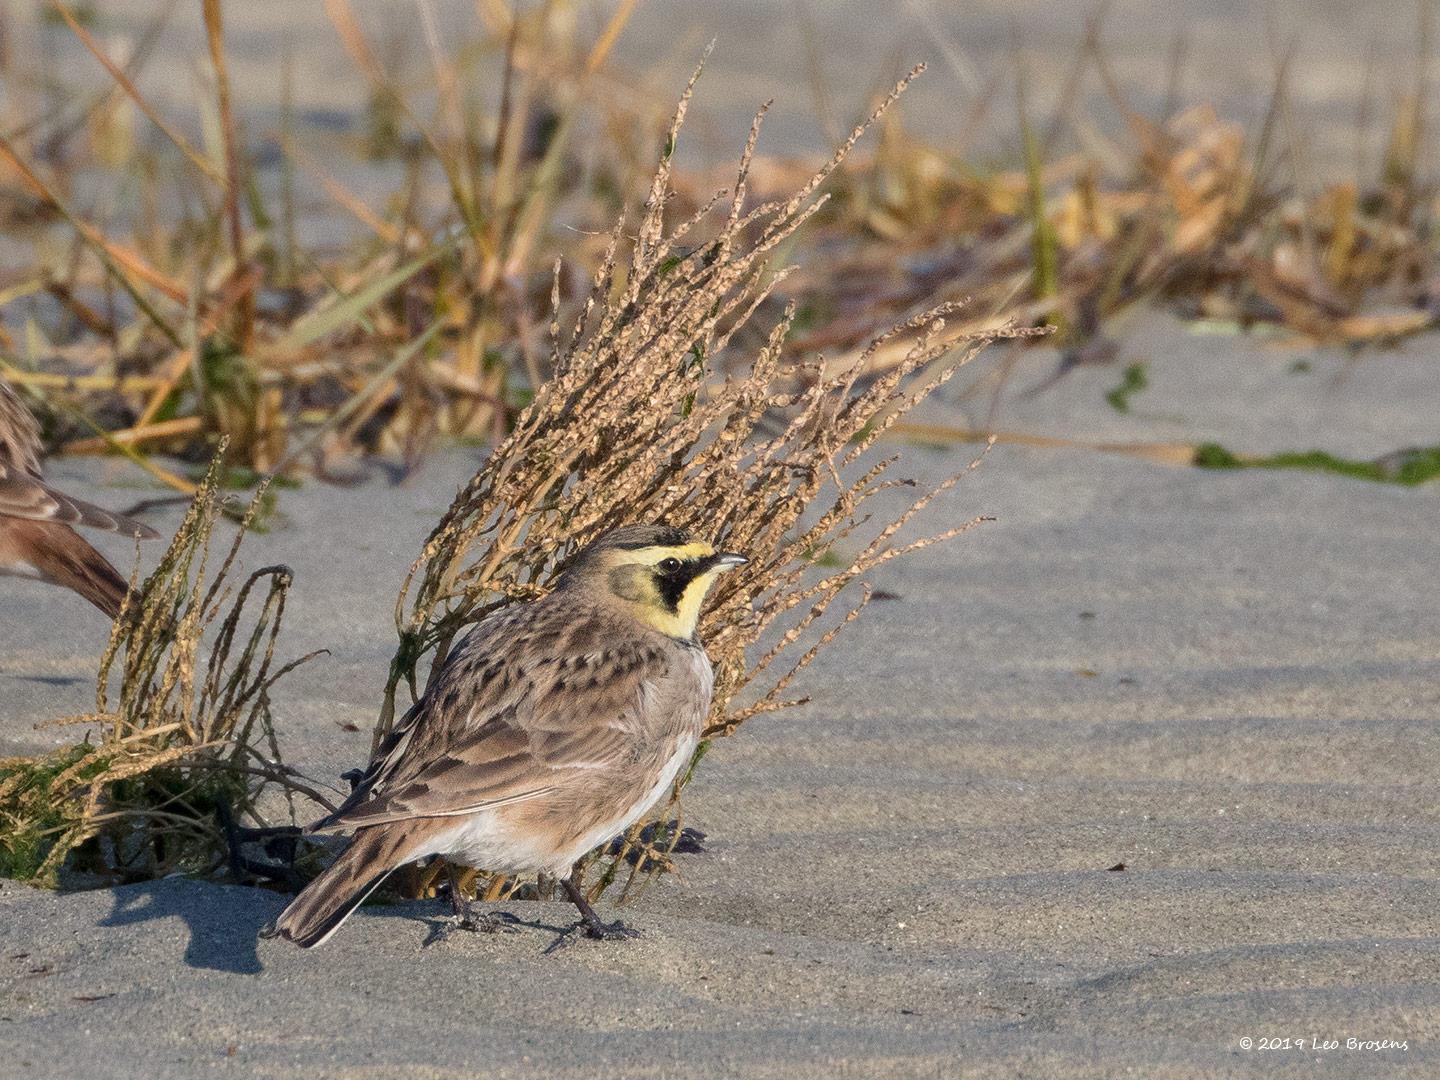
[[550, 729], [36, 538]]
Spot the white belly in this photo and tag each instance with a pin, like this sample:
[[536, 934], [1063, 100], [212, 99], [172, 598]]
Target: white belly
[[622, 821], [488, 842]]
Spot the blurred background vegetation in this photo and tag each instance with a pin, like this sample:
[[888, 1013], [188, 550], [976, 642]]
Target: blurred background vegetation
[[326, 231]]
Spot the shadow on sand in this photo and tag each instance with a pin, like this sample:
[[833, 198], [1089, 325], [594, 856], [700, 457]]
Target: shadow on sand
[[222, 920]]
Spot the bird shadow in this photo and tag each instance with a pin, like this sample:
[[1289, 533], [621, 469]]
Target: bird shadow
[[221, 920], [442, 926], [50, 680]]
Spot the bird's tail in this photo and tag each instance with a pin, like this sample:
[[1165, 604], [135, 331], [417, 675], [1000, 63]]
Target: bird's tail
[[326, 902], [64, 557]]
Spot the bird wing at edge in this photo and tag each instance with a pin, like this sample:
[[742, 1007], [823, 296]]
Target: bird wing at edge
[[490, 732], [25, 496]]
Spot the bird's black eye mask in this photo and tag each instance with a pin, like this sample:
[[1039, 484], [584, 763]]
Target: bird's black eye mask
[[663, 583], [673, 576]]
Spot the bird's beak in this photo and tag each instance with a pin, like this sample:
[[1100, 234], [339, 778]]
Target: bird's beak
[[727, 560]]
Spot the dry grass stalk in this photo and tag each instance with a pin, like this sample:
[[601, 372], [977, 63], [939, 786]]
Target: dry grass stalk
[[1191, 215], [188, 747], [215, 308], [637, 425], [203, 294]]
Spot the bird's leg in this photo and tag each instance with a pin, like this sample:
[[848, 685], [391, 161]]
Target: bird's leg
[[465, 915], [602, 931]]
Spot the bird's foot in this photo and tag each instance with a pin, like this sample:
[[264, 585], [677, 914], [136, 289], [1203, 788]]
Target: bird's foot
[[590, 922], [487, 922], [466, 918], [474, 924], [603, 931], [596, 931]]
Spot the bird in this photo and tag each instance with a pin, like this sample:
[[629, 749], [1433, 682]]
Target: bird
[[36, 537], [554, 725]]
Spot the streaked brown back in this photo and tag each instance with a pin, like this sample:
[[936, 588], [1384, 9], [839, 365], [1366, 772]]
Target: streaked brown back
[[539, 696], [19, 434]]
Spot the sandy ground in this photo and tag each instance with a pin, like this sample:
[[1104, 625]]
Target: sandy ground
[[1225, 681], [822, 61]]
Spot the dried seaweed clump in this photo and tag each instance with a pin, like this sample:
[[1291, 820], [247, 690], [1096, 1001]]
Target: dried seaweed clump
[[775, 460], [187, 749]]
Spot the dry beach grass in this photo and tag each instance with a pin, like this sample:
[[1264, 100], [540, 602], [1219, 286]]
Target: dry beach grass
[[636, 423], [200, 314], [184, 739]]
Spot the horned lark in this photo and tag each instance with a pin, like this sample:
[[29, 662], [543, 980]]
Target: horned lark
[[36, 540], [550, 729]]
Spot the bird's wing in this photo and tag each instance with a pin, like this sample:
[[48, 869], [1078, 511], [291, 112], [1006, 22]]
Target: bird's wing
[[25, 496], [521, 706]]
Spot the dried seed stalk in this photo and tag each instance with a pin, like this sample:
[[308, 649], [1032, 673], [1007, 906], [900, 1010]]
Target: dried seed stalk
[[639, 424], [188, 743]]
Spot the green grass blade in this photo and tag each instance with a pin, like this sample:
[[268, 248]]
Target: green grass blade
[[311, 328]]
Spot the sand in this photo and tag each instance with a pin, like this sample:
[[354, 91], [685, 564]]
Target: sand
[[1225, 681]]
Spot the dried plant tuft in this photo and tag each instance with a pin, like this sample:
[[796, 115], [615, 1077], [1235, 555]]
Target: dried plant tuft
[[638, 424], [187, 749]]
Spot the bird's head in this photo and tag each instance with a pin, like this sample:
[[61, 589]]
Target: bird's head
[[658, 574]]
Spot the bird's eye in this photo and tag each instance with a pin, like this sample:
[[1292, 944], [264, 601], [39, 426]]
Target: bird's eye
[[670, 565]]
